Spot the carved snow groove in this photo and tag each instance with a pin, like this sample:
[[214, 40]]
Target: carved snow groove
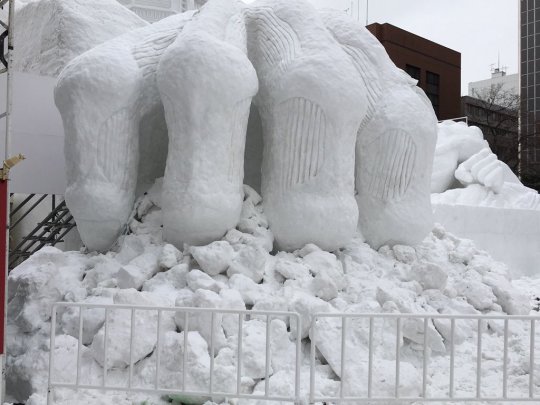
[[365, 69], [303, 131], [116, 152], [148, 54], [238, 128], [391, 175], [277, 40]]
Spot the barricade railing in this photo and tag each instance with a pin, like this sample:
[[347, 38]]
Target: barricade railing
[[211, 315], [392, 394], [352, 344]]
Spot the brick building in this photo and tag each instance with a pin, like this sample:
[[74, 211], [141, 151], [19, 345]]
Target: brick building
[[436, 67]]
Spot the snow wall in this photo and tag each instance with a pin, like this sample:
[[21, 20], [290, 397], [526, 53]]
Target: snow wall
[[509, 235]]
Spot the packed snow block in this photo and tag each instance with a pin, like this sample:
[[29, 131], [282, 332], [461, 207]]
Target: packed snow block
[[196, 280], [119, 330], [45, 278], [282, 384], [202, 190], [138, 270], [66, 29], [170, 256], [232, 299], [429, 275], [396, 142], [311, 102], [168, 283], [197, 371], [27, 374], [512, 301], [305, 305], [213, 258], [413, 329], [92, 318], [328, 335], [251, 262], [202, 321]]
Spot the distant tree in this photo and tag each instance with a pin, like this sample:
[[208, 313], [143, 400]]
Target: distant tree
[[499, 112]]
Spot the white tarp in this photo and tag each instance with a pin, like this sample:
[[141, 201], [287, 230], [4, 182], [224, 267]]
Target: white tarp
[[37, 133]]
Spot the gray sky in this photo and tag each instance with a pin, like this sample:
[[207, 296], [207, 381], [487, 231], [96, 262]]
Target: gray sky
[[479, 29]]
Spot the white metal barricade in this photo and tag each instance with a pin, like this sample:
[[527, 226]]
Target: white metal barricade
[[158, 388], [343, 320]]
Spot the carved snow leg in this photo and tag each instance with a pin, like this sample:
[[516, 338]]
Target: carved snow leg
[[396, 142], [394, 164], [97, 96], [310, 97], [206, 84]]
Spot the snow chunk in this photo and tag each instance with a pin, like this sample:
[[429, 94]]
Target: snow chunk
[[213, 258], [250, 262]]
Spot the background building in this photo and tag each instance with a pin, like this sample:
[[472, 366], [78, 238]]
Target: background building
[[493, 106], [529, 135], [499, 79], [436, 67], [155, 10]]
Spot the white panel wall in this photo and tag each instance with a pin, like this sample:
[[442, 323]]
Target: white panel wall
[[509, 235], [37, 133]]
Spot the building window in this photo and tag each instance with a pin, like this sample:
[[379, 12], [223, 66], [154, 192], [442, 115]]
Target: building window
[[413, 71], [432, 89]]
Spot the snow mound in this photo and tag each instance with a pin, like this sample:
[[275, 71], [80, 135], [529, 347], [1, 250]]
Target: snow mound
[[50, 33], [443, 274]]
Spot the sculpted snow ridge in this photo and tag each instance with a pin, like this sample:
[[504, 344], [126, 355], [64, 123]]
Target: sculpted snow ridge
[[336, 115]]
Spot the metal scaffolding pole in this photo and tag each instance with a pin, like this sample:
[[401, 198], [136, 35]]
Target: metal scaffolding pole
[[4, 183]]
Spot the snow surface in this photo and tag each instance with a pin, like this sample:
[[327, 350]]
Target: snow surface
[[443, 274]]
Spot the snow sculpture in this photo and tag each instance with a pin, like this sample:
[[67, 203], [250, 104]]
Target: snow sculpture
[[206, 83], [396, 141], [130, 78], [311, 105], [317, 99], [467, 172]]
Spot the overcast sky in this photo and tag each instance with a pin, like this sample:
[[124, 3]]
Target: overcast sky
[[479, 29]]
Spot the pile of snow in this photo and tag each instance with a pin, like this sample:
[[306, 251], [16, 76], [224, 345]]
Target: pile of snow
[[466, 172], [443, 274], [50, 33]]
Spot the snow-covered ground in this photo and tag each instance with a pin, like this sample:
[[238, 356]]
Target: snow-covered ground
[[443, 274]]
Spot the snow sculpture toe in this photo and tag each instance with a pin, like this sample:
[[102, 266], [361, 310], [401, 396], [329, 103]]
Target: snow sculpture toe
[[311, 106], [99, 112], [206, 83], [396, 142]]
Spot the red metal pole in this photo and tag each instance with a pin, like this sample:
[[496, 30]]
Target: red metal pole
[[3, 259]]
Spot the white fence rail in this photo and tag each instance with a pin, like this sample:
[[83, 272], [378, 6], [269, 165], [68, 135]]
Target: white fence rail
[[365, 350], [210, 315], [367, 323]]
